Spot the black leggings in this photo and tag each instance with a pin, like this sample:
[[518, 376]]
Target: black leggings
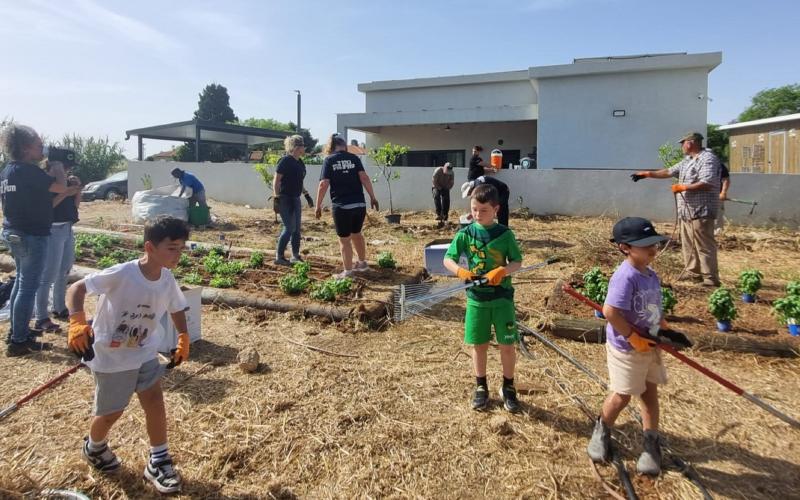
[[348, 220]]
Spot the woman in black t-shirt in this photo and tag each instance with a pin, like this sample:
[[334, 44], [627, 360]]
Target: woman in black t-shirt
[[287, 188], [344, 173]]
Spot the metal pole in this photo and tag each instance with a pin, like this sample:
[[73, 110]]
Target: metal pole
[[141, 149], [298, 110], [196, 142]]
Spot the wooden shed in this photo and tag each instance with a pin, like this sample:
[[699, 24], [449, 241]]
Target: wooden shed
[[768, 146]]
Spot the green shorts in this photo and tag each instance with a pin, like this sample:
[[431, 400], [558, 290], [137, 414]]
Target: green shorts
[[482, 315]]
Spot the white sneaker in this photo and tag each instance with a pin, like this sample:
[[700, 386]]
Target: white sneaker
[[344, 274], [163, 476], [361, 266]]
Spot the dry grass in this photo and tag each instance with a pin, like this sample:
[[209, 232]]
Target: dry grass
[[394, 422]]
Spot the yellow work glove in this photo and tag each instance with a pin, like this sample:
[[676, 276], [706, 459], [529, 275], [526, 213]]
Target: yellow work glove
[[181, 353], [639, 343], [678, 188], [78, 337], [465, 274], [496, 275]]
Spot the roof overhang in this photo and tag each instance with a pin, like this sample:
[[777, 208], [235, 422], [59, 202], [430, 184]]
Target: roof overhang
[[444, 81], [763, 121], [628, 64], [219, 133]]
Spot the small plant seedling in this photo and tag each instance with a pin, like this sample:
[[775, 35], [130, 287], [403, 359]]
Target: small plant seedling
[[184, 261], [750, 281], [256, 260], [668, 300], [595, 285], [721, 305], [293, 284], [217, 250], [212, 263], [386, 260], [793, 288], [193, 278], [787, 309], [106, 262], [222, 282], [329, 289]]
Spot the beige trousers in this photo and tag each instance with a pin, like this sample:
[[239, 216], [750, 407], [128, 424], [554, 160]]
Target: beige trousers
[[700, 248]]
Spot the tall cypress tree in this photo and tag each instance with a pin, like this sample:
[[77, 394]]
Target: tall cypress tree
[[215, 105]]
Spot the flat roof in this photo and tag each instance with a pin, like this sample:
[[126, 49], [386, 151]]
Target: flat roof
[[763, 121], [220, 133]]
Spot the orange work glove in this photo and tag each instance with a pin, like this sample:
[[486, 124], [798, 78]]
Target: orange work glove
[[465, 274], [496, 275], [181, 353], [678, 188], [79, 333], [639, 343]]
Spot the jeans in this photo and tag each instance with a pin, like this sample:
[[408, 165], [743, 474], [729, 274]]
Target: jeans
[[290, 212], [60, 257], [30, 254], [441, 199]]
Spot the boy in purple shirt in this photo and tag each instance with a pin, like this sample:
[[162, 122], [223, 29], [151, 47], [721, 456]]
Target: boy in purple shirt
[[635, 368]]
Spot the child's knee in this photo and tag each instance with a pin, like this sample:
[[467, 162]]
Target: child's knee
[[623, 399], [108, 418], [152, 393]]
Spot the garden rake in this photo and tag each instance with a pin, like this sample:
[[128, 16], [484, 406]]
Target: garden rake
[[412, 299]]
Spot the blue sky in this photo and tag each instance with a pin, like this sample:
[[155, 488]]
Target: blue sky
[[99, 68]]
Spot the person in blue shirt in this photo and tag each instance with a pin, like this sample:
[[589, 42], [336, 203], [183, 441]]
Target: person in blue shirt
[[188, 180]]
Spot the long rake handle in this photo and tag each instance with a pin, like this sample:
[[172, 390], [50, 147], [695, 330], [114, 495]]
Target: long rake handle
[[53, 381], [697, 366]]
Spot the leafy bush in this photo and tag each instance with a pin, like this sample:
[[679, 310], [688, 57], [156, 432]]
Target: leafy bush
[[750, 281], [222, 282], [96, 157], [193, 278], [123, 255], [230, 268], [139, 242], [217, 250], [184, 261], [721, 304], [99, 243], [301, 268], [595, 285], [793, 288], [386, 260], [668, 300], [329, 289], [787, 309], [212, 263], [297, 281], [200, 251], [256, 260], [106, 261]]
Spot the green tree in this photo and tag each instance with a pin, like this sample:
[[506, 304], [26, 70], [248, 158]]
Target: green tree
[[214, 105], [272, 124], [669, 154], [386, 156], [773, 102], [717, 141], [96, 157]]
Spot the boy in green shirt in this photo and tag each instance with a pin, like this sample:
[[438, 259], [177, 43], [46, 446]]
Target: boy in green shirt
[[492, 254]]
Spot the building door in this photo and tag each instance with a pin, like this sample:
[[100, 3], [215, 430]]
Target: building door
[[777, 152], [510, 156]]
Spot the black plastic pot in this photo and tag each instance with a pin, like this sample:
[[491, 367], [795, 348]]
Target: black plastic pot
[[392, 218]]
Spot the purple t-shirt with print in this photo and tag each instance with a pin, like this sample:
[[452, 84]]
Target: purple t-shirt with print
[[638, 295]]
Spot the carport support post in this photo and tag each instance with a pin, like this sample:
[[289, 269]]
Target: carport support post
[[196, 142], [141, 148]]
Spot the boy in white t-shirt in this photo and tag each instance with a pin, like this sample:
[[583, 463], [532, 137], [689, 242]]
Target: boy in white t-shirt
[[133, 298]]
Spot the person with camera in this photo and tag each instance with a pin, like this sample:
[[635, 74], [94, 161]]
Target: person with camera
[[61, 249], [26, 196]]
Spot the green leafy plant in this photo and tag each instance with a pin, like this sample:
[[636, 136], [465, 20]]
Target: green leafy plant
[[147, 182], [750, 281], [668, 300], [329, 289], [193, 278], [793, 288], [106, 261], [123, 255], [787, 309], [595, 285], [212, 263], [256, 260], [669, 154], [297, 281], [217, 250], [199, 251], [222, 282], [184, 261], [721, 304], [230, 268], [301, 268], [139, 242], [386, 156], [386, 260]]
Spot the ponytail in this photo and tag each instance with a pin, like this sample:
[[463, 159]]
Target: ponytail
[[334, 141]]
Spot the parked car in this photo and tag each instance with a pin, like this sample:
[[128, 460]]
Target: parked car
[[111, 188]]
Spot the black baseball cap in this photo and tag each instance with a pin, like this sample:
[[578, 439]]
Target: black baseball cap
[[637, 232]]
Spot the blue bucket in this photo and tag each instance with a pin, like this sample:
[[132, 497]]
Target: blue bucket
[[746, 297], [724, 326], [794, 330]]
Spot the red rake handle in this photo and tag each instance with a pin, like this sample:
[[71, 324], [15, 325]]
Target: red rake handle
[[53, 381], [697, 366]]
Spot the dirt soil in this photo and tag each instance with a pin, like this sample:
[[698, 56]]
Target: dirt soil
[[385, 413]]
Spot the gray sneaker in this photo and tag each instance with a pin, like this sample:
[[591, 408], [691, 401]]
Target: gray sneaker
[[600, 444], [103, 460], [650, 460]]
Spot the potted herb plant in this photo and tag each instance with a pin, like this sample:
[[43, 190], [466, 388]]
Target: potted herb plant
[[749, 284], [722, 307], [668, 300], [386, 156], [787, 310], [595, 287]]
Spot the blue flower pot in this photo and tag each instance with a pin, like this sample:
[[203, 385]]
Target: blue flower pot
[[746, 297], [794, 330], [598, 314], [724, 326]]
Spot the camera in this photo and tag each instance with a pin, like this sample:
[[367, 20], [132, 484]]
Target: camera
[[66, 156]]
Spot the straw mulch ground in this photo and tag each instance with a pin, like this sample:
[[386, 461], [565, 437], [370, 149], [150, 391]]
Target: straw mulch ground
[[394, 421]]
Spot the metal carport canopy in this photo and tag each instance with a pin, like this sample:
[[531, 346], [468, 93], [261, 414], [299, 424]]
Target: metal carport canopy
[[208, 132]]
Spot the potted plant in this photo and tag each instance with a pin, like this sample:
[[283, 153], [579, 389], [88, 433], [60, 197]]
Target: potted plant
[[595, 287], [749, 284], [722, 307], [668, 300], [386, 156], [787, 309]]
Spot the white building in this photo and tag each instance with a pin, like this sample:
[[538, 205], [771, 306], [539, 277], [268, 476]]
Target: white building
[[596, 113]]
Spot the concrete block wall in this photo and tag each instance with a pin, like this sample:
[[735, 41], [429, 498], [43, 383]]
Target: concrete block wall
[[565, 192]]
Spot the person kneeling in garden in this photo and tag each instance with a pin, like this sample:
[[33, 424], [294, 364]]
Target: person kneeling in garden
[[635, 368], [120, 347], [492, 253]]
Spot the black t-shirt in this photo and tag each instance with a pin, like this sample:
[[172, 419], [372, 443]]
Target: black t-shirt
[[475, 168], [27, 201], [502, 187], [293, 172], [342, 169], [66, 211]]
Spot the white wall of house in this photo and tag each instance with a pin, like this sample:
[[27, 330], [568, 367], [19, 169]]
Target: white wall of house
[[514, 93], [566, 192], [577, 129]]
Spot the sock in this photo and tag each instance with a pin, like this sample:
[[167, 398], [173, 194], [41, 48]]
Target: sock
[[97, 445], [482, 382], [158, 453], [508, 382]]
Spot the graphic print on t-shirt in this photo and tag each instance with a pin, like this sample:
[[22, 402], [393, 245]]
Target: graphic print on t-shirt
[[130, 331], [647, 307]]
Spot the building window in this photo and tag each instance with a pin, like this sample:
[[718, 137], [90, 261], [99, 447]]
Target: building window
[[435, 158]]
